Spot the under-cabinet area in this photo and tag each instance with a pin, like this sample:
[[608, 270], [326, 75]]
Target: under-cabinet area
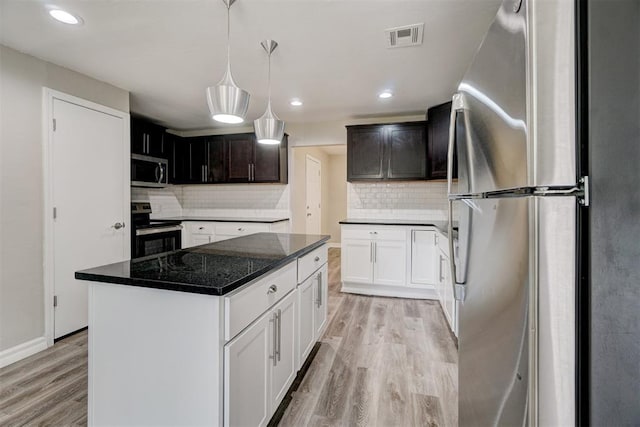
[[401, 260], [232, 344]]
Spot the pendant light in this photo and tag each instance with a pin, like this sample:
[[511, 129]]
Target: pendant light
[[269, 128], [227, 102]]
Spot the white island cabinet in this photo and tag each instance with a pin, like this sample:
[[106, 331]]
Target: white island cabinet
[[195, 233], [183, 357]]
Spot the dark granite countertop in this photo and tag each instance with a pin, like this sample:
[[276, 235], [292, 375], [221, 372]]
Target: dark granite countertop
[[221, 219], [213, 269]]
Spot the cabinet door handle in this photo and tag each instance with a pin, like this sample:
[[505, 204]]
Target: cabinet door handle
[[440, 270], [375, 252], [319, 293], [279, 334], [371, 252], [274, 319], [413, 235]]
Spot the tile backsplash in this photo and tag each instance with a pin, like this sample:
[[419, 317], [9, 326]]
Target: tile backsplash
[[397, 200], [242, 200]]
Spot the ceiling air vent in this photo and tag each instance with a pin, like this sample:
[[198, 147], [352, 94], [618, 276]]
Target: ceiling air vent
[[409, 35]]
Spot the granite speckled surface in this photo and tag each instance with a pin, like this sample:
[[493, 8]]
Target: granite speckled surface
[[214, 269], [221, 219]]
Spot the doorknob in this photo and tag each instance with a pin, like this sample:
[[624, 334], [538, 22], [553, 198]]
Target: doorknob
[[118, 225]]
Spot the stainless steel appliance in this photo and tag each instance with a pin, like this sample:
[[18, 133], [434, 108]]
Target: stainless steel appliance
[[147, 171], [151, 237], [518, 200]]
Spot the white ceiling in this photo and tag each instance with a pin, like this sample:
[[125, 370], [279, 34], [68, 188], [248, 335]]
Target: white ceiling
[[332, 53]]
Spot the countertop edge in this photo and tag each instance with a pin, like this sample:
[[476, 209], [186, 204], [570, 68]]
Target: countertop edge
[[195, 289], [212, 219]]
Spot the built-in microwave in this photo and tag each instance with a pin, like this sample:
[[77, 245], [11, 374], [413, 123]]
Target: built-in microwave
[[147, 171]]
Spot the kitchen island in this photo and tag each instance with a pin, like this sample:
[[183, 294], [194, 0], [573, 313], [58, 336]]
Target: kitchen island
[[210, 335]]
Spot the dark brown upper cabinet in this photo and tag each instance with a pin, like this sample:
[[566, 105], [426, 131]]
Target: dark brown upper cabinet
[[148, 139], [224, 159], [439, 118], [270, 163], [394, 151], [240, 156]]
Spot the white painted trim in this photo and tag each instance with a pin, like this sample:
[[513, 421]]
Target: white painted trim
[[21, 351], [335, 245], [389, 291], [48, 96]]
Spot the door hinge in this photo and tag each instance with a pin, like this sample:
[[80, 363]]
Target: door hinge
[[55, 125], [55, 213], [459, 292], [583, 198], [55, 300]]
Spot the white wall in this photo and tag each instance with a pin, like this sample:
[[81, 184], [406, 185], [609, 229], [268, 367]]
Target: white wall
[[22, 79], [337, 195]]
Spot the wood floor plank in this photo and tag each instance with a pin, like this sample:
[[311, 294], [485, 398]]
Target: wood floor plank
[[426, 411]]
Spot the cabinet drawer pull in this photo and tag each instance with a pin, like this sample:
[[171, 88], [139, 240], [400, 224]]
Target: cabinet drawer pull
[[200, 228], [272, 289], [241, 229], [316, 259]]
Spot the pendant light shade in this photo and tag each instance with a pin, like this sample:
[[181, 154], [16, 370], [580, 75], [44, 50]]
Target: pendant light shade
[[227, 102], [269, 128]]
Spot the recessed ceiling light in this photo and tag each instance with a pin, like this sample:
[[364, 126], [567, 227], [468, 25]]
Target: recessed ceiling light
[[65, 17], [296, 102], [385, 94]]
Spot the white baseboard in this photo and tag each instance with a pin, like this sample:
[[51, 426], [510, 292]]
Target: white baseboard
[[428, 292], [21, 351], [335, 245]]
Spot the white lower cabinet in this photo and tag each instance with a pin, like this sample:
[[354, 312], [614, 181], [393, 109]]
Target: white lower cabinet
[[357, 256], [247, 372], [321, 296], [424, 253], [200, 239], [389, 262], [259, 366], [445, 285], [313, 295], [306, 331], [283, 369]]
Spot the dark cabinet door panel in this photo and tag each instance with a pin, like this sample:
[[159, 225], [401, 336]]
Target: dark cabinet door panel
[[407, 152], [266, 167], [365, 153], [215, 165], [438, 140], [138, 137], [197, 160], [239, 156]]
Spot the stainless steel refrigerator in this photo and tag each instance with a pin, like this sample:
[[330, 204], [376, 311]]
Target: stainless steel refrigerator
[[517, 202]]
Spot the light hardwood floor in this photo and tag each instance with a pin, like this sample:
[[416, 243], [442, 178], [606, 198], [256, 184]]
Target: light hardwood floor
[[382, 362]]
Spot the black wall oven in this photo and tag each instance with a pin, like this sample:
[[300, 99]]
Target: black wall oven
[[155, 240], [150, 237]]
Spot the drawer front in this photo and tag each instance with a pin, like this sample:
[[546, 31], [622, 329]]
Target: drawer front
[[398, 233], [312, 261], [199, 227], [240, 229], [246, 305]]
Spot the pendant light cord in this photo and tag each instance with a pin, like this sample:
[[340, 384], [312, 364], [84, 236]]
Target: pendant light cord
[[229, 35], [269, 84]]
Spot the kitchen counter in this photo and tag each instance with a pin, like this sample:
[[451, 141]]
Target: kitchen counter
[[212, 269], [222, 219]]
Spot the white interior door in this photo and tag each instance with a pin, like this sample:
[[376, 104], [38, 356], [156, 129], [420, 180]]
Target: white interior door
[[313, 195], [89, 192]]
